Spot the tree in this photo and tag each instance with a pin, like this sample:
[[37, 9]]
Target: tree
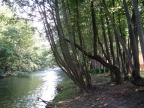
[[77, 30]]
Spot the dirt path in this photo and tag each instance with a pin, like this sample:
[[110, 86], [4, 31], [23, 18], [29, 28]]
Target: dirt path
[[109, 96]]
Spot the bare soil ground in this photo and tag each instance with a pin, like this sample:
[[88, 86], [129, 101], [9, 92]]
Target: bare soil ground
[[107, 95]]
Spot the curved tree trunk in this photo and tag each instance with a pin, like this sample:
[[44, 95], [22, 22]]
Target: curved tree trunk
[[114, 69]]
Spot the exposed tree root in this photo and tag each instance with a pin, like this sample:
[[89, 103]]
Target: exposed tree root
[[138, 81]]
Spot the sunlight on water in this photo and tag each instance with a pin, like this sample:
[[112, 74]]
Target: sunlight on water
[[23, 92], [48, 90]]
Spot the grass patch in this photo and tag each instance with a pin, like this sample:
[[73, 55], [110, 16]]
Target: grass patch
[[67, 90]]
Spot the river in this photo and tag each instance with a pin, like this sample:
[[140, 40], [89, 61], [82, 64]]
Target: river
[[23, 92]]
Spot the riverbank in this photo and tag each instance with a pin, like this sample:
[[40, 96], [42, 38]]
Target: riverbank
[[106, 95]]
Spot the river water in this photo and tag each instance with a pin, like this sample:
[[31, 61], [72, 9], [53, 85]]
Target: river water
[[23, 92]]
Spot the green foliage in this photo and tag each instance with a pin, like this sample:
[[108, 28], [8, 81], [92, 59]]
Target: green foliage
[[99, 70], [20, 49]]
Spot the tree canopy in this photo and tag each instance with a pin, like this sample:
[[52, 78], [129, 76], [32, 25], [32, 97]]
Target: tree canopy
[[21, 48]]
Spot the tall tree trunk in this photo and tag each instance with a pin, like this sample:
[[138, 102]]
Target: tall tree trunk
[[82, 44], [139, 26], [107, 49], [111, 49], [71, 61], [105, 41], [122, 55], [95, 29], [134, 47]]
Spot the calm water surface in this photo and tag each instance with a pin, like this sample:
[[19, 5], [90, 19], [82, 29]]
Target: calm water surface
[[22, 92]]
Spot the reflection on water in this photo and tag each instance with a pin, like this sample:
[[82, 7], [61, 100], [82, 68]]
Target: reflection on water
[[22, 92]]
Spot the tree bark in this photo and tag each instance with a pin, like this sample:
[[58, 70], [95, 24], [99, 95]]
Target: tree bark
[[133, 44], [95, 29], [139, 25], [114, 69]]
